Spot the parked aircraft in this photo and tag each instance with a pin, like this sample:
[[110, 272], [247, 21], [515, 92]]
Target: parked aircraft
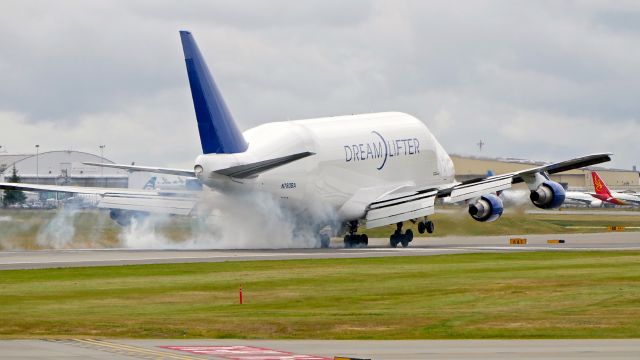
[[582, 198], [618, 198], [377, 169]]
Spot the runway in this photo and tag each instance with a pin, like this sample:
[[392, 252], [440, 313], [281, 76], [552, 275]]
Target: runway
[[319, 349], [377, 248]]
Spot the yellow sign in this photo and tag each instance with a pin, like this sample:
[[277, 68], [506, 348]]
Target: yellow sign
[[555, 241], [616, 228], [518, 241]]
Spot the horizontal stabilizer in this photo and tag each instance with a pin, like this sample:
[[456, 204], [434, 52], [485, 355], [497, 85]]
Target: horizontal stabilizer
[[157, 170], [248, 170]]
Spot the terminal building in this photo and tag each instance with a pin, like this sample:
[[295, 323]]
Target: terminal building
[[62, 168]]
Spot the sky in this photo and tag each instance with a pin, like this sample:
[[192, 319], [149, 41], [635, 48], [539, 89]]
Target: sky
[[540, 80]]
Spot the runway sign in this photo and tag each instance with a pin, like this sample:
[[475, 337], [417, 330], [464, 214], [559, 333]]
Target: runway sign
[[517, 241], [555, 241], [241, 352], [616, 228]]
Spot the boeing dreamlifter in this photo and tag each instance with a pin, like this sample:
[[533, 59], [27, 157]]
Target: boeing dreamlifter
[[380, 169]]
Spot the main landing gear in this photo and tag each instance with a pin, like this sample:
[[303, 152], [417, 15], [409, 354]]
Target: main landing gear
[[426, 225], [355, 240], [399, 238], [404, 239]]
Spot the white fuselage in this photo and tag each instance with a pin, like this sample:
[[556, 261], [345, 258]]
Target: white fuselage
[[582, 198], [356, 159], [624, 199]]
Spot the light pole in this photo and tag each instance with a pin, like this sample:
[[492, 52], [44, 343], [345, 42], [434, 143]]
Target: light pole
[[37, 164], [101, 161]]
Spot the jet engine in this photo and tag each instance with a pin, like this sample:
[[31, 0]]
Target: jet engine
[[486, 209], [124, 217], [549, 195]]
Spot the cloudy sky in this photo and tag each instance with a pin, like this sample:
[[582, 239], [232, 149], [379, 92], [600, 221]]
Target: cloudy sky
[[543, 80]]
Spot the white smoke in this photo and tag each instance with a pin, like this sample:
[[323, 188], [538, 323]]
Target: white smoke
[[515, 198], [58, 233], [252, 220]]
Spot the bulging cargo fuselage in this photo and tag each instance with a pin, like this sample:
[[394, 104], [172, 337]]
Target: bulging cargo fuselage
[[353, 155]]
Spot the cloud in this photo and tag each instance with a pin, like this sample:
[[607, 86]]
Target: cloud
[[539, 80]]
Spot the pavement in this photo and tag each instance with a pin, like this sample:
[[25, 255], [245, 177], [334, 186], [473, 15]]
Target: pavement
[[377, 248], [318, 349]]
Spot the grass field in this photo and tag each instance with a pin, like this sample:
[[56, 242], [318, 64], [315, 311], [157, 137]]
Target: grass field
[[93, 229], [501, 296]]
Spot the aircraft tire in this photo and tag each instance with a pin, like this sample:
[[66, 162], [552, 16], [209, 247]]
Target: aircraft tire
[[393, 241], [430, 226], [325, 241], [421, 227], [404, 242], [348, 242], [364, 240], [409, 235]]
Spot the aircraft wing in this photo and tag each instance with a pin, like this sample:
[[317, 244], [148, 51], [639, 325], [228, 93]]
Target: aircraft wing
[[416, 202], [154, 201]]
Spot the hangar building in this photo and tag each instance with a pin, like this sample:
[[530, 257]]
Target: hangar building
[[62, 168]]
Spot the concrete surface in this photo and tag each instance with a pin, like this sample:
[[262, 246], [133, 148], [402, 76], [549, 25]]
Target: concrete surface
[[321, 349], [377, 248]]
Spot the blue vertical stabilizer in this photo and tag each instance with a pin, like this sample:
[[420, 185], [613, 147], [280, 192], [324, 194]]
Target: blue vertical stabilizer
[[218, 131]]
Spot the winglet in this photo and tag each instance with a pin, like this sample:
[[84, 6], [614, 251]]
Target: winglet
[[218, 131], [599, 185]]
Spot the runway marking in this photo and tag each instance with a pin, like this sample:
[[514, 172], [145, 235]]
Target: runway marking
[[242, 352], [138, 351]]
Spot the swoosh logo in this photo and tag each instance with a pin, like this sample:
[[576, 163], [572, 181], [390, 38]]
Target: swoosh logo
[[386, 149]]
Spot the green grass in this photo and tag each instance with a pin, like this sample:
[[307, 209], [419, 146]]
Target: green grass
[[499, 296]]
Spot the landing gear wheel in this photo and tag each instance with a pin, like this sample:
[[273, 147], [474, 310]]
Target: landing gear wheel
[[406, 238], [348, 242], [356, 240], [393, 241], [409, 235], [325, 241], [422, 227], [430, 227]]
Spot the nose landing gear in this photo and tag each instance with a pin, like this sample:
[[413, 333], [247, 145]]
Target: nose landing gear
[[355, 240], [399, 238]]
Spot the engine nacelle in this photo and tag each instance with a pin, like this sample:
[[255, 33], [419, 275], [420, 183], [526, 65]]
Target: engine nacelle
[[549, 195], [124, 217], [486, 209]]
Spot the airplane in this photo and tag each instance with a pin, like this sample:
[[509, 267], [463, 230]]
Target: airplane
[[368, 169], [582, 198], [604, 194]]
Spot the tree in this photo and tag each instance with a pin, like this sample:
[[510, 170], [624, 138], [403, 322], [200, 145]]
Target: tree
[[13, 196]]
